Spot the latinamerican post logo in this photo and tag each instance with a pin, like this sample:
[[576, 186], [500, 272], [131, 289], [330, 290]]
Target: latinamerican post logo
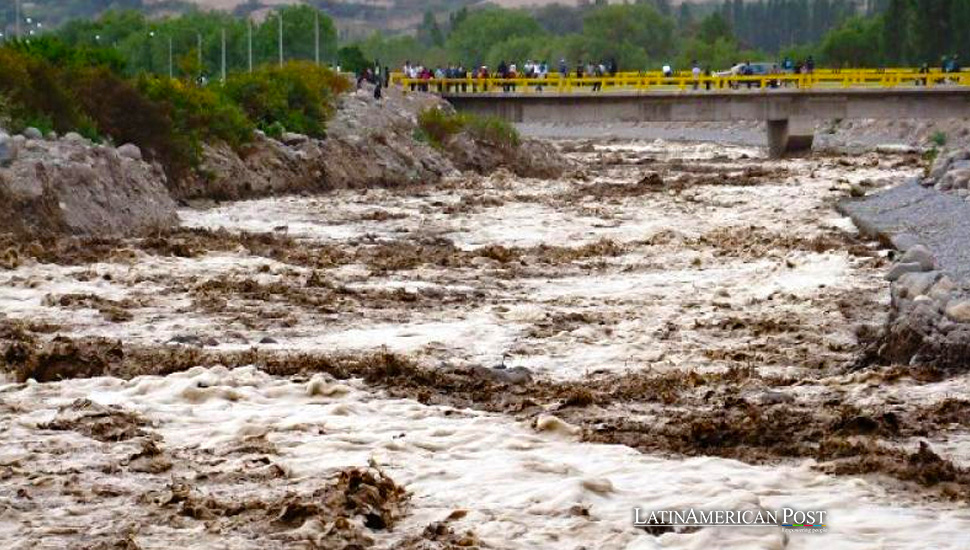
[[786, 518]]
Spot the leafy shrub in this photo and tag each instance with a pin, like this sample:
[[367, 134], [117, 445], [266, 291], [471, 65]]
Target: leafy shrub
[[55, 87], [493, 130], [299, 96], [938, 138], [121, 111], [352, 59], [200, 112], [438, 126], [37, 93]]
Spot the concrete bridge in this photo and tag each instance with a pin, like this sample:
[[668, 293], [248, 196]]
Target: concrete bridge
[[790, 114]]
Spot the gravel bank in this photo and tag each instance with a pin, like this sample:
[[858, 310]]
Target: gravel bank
[[910, 214]]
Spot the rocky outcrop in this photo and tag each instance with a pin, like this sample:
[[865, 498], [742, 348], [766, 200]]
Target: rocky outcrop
[[71, 186]]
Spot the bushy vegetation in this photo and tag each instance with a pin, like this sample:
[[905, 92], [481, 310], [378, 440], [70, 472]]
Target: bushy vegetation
[[298, 96], [492, 130], [438, 126], [52, 86]]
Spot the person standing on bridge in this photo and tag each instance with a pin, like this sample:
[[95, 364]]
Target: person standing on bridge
[[598, 73], [696, 74], [504, 73]]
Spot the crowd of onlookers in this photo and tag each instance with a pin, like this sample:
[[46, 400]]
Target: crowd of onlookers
[[456, 77], [425, 78]]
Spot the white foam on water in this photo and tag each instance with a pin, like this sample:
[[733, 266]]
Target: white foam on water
[[522, 488]]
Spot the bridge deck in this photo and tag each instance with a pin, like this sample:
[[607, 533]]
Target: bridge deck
[[913, 92]]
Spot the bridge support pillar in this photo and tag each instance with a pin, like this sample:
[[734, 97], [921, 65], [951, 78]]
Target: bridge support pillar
[[789, 135]]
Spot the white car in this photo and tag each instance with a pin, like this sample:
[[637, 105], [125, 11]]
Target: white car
[[757, 69]]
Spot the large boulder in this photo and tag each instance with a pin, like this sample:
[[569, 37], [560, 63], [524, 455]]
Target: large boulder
[[130, 151], [33, 133], [72, 187]]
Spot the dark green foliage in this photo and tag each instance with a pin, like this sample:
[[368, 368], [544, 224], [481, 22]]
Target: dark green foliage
[[126, 115], [351, 59], [36, 93], [493, 130], [143, 43], [854, 44], [197, 115], [299, 96], [438, 126], [52, 87]]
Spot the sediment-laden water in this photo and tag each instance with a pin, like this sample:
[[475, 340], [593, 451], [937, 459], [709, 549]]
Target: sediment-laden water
[[494, 361]]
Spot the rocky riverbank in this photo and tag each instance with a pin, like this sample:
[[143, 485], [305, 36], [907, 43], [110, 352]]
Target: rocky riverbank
[[370, 143], [72, 186], [927, 221]]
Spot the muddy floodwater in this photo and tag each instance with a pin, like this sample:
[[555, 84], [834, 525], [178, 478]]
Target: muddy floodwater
[[491, 362]]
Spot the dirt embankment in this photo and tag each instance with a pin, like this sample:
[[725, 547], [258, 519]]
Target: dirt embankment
[[70, 186], [370, 143]]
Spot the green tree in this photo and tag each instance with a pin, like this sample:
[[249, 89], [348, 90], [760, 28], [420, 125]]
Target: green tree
[[472, 38], [714, 27], [896, 23], [618, 30], [351, 58], [854, 44]]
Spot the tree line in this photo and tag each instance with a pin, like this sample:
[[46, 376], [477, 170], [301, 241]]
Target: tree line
[[642, 35]]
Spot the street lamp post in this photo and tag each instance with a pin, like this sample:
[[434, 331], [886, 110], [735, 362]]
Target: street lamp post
[[316, 36], [223, 55], [151, 51], [280, 37], [17, 15], [249, 26]]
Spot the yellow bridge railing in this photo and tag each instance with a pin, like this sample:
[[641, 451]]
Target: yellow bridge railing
[[656, 81]]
